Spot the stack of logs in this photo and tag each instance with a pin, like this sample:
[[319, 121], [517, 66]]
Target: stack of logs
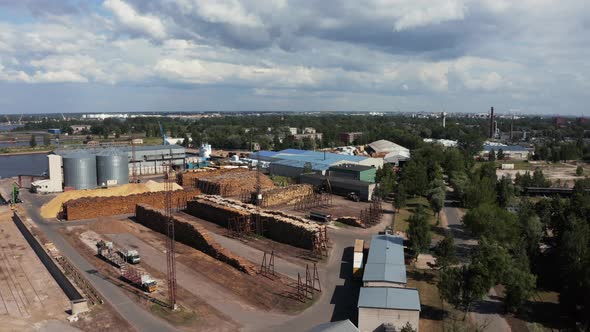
[[277, 226], [192, 234], [94, 207], [286, 195]]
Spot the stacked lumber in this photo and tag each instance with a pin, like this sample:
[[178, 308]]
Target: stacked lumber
[[192, 234], [94, 207], [277, 226], [286, 195]]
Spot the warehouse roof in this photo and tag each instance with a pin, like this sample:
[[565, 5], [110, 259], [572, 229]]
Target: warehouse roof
[[505, 148], [384, 146], [316, 156], [389, 298], [385, 272], [386, 260], [301, 164], [340, 326], [125, 148], [351, 167]]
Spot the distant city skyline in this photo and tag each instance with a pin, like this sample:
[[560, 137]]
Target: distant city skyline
[[91, 56]]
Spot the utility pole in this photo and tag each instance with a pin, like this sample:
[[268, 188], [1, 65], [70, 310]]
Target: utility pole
[[170, 250]]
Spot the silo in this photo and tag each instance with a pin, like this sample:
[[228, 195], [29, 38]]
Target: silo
[[112, 168], [79, 170]]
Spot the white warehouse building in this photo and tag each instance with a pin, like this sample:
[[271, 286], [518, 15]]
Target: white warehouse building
[[388, 308]]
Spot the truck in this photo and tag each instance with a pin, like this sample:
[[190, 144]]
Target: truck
[[108, 253], [358, 259], [140, 280], [130, 256], [320, 216]]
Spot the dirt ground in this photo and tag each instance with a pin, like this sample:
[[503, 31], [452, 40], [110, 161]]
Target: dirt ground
[[28, 293], [565, 173], [257, 291], [204, 318], [341, 207]]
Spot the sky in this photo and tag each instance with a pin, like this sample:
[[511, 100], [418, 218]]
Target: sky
[[521, 56]]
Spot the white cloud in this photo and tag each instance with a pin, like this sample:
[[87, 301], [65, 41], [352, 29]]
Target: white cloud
[[130, 18]]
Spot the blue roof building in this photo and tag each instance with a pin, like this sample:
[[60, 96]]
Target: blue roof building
[[291, 162], [385, 265]]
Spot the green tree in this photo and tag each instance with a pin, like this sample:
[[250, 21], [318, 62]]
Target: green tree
[[415, 178], [407, 328], [400, 198], [500, 155], [519, 284], [32, 141], [46, 140], [505, 191], [436, 199], [492, 155], [419, 231], [462, 286], [185, 141], [445, 251], [492, 222], [579, 171]]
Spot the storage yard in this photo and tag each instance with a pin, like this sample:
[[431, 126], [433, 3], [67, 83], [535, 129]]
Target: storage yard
[[225, 247]]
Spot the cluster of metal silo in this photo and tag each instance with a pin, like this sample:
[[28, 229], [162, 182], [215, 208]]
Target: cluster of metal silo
[[112, 168], [84, 170]]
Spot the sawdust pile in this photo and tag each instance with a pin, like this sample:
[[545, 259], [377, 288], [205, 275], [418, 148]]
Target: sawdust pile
[[52, 208]]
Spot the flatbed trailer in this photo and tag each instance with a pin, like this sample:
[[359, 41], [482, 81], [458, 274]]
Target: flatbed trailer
[[358, 259]]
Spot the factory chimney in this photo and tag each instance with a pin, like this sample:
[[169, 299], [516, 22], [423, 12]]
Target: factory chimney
[[444, 119], [492, 131]]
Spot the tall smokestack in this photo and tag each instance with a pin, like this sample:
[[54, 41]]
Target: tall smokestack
[[492, 122], [444, 119]]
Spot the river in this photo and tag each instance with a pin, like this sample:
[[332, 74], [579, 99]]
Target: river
[[29, 164]]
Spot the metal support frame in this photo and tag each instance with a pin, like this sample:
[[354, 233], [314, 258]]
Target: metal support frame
[[170, 241]]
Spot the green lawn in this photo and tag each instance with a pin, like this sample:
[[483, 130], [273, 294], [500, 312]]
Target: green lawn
[[401, 218]]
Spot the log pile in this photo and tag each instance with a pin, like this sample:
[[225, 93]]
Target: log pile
[[352, 221], [277, 226], [192, 234], [191, 178], [286, 195], [233, 183], [94, 207]]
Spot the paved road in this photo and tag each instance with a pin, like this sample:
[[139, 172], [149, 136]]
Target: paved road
[[138, 317], [486, 314]]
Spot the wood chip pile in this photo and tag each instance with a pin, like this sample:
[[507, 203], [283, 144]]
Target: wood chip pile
[[191, 178], [286, 195], [192, 234], [94, 207], [277, 226]]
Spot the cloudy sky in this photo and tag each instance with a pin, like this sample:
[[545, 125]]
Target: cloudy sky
[[529, 56]]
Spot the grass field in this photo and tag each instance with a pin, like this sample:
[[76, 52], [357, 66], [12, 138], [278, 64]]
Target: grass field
[[401, 218]]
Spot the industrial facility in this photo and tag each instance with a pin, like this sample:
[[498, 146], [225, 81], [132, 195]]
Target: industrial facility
[[106, 167]]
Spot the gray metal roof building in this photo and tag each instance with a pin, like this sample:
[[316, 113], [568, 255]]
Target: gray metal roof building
[[339, 326], [389, 298], [386, 263]]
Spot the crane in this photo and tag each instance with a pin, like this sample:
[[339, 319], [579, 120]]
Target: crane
[[164, 138]]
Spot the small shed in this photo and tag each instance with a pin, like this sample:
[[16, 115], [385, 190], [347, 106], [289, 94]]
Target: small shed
[[381, 307]]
